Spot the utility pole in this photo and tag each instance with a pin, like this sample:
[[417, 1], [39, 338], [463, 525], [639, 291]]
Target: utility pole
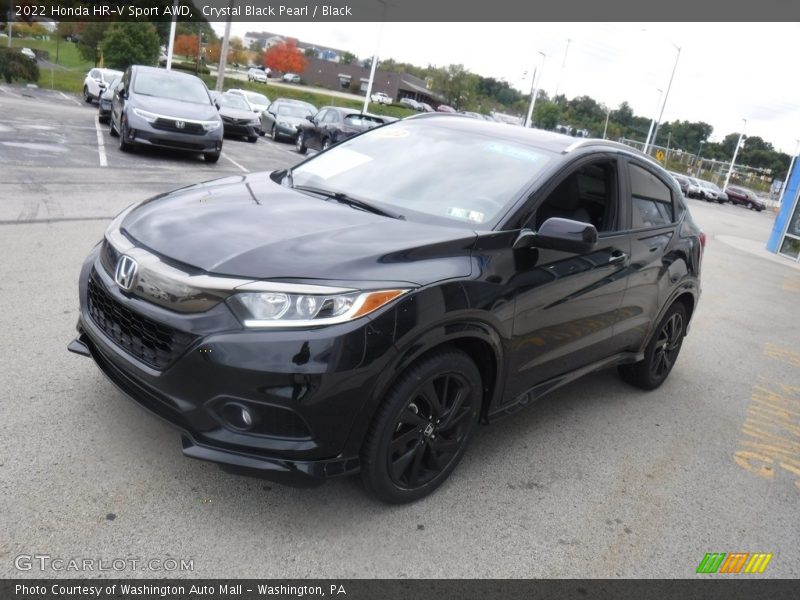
[[789, 172], [666, 96], [605, 127], [374, 65], [561, 72], [534, 91], [223, 53], [652, 124], [735, 154], [172, 26]]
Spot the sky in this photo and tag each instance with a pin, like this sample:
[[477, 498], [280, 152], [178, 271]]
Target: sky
[[726, 72]]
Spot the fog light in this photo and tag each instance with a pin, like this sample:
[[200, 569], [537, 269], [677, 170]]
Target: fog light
[[238, 416]]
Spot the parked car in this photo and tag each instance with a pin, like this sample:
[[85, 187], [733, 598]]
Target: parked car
[[411, 103], [445, 108], [426, 107], [258, 103], [710, 192], [283, 117], [28, 52], [366, 309], [695, 189], [682, 181], [381, 98], [470, 114], [258, 75], [744, 197], [331, 125], [237, 118], [104, 104], [168, 109], [97, 81], [291, 78]]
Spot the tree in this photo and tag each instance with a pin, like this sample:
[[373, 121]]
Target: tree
[[547, 115], [15, 65], [256, 46], [91, 38], [188, 46], [285, 57], [131, 43], [348, 58]]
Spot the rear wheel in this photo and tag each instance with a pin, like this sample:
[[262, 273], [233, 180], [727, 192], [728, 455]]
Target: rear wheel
[[300, 143], [423, 428], [274, 133], [749, 205], [661, 353], [87, 97]]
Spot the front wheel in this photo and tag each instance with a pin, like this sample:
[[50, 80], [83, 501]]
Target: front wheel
[[423, 428], [300, 143], [273, 133], [326, 143], [211, 157], [661, 353], [124, 145], [252, 139], [87, 97], [749, 205]]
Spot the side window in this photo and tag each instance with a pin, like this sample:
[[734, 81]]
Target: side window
[[320, 116], [588, 194], [93, 74], [651, 199], [332, 117]]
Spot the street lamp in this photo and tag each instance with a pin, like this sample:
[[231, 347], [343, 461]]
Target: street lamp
[[789, 172], [698, 160], [563, 64], [669, 85], [735, 153], [534, 90], [375, 57], [652, 123]]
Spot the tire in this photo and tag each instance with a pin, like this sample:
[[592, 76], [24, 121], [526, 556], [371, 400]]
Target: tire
[[326, 143], [112, 128], [273, 133], [749, 205], [721, 201], [123, 134], [661, 352], [103, 120], [300, 143], [87, 97], [439, 395], [252, 139], [212, 157]]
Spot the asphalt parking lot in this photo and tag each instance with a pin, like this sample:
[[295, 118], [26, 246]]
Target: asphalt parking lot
[[596, 480]]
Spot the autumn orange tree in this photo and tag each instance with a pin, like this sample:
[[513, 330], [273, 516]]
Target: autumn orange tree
[[285, 57], [186, 45]]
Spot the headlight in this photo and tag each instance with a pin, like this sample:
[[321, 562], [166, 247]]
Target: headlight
[[211, 125], [255, 122], [283, 309], [147, 116], [285, 125]]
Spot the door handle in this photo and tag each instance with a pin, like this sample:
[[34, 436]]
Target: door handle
[[617, 257]]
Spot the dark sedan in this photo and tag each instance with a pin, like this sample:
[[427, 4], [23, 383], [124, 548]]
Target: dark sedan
[[237, 118], [744, 197], [332, 124], [283, 117], [366, 309], [104, 104]]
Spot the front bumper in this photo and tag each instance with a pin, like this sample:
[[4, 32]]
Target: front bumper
[[240, 129], [144, 134], [306, 388]]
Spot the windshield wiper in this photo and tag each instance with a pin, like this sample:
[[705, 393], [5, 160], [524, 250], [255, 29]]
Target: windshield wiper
[[343, 198]]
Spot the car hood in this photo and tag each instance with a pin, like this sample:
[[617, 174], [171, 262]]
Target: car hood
[[175, 108], [252, 227], [236, 113]]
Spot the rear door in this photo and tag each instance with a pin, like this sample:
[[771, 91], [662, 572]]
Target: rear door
[[653, 211]]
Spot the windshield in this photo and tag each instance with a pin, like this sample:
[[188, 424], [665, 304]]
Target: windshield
[[165, 85], [232, 101], [433, 170], [257, 98], [293, 110]]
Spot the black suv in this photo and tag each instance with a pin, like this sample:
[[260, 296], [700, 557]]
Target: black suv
[[364, 310]]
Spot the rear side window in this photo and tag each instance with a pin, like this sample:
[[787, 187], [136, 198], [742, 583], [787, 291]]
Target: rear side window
[[652, 199]]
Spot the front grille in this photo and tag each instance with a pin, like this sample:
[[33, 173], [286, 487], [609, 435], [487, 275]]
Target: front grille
[[170, 125], [153, 343], [176, 144]]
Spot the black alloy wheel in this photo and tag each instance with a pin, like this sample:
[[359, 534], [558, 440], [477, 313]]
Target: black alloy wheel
[[124, 145], [274, 133], [300, 143], [423, 428], [661, 353]]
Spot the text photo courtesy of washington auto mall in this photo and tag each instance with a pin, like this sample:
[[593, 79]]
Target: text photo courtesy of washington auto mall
[[298, 292]]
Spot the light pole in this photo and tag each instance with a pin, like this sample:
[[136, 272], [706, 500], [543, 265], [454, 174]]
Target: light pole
[[735, 153], [652, 123], [171, 46], [669, 85], [534, 91], [789, 172], [605, 127], [699, 160], [375, 58]]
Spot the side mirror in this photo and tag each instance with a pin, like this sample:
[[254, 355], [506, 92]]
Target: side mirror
[[565, 235], [121, 90], [310, 118]]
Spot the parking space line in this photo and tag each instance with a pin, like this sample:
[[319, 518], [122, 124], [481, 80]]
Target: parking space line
[[101, 145], [228, 158], [5, 91], [70, 98]]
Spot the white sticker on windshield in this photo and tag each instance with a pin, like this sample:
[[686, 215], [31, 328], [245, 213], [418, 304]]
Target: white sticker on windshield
[[464, 213], [334, 162]]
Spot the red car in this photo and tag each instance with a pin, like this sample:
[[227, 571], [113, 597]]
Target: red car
[[744, 197]]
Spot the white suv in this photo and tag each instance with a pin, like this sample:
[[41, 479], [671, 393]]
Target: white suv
[[97, 81], [254, 74], [381, 98]]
